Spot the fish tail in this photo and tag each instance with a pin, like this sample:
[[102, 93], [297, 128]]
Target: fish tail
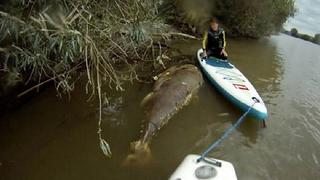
[[140, 154]]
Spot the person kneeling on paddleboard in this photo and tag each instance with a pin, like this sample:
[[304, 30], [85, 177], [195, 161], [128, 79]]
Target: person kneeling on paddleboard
[[214, 41]]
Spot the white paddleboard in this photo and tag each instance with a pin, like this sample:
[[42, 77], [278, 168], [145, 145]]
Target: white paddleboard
[[233, 85]]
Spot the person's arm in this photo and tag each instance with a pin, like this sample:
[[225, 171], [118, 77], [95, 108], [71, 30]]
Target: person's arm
[[205, 40], [223, 43], [204, 43]]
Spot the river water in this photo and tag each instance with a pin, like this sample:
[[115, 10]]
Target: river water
[[54, 139]]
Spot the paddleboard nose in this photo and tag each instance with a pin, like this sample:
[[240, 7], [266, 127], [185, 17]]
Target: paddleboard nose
[[259, 111]]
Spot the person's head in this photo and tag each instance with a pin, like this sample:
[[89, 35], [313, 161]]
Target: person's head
[[214, 23]]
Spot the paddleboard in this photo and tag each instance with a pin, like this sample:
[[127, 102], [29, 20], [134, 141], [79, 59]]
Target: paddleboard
[[233, 85]]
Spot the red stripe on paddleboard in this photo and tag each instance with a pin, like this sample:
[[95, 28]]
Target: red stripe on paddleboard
[[241, 86]]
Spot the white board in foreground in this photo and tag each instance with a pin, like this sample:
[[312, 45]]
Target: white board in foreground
[[209, 169]]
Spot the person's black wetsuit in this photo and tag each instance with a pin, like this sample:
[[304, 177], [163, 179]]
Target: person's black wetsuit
[[214, 42]]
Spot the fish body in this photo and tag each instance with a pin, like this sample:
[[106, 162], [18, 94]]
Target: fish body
[[173, 89]]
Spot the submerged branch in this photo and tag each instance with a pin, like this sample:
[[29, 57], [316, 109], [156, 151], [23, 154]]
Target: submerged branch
[[48, 80]]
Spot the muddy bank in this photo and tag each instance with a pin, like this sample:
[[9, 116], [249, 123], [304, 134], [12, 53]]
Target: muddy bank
[[17, 89]]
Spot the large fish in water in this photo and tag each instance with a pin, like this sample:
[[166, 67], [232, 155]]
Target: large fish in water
[[173, 89]]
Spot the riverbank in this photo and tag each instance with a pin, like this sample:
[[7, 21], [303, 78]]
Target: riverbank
[[42, 41], [54, 45], [294, 33]]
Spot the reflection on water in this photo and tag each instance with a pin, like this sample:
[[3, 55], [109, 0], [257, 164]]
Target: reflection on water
[[53, 138]]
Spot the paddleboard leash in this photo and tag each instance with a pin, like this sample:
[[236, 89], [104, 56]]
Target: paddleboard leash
[[227, 132]]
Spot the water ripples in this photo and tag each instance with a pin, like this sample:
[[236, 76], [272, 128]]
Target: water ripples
[[311, 127]]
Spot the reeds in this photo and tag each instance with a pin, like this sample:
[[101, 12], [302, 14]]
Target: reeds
[[99, 36]]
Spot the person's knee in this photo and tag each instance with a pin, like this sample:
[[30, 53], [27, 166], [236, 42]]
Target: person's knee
[[224, 57]]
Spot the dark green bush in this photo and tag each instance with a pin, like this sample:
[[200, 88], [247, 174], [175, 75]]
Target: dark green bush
[[246, 18], [254, 18], [294, 32], [305, 37], [316, 38]]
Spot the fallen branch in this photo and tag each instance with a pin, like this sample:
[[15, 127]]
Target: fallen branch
[[177, 34], [36, 86], [46, 81]]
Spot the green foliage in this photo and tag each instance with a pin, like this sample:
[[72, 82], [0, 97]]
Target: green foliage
[[254, 18], [246, 18], [294, 32], [316, 38], [44, 41], [305, 37], [56, 37], [40, 46]]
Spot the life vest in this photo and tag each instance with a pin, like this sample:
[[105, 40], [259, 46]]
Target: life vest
[[214, 39]]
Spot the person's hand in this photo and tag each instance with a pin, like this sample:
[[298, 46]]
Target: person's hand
[[204, 54], [224, 53]]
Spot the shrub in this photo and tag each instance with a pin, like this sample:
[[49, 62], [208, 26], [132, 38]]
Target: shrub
[[254, 18], [316, 38], [294, 32], [43, 41], [246, 18]]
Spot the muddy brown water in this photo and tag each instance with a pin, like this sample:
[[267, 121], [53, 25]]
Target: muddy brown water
[[54, 139]]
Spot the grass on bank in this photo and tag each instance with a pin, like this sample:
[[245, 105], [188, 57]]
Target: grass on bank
[[51, 44]]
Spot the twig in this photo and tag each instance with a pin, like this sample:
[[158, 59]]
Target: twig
[[177, 34], [46, 81], [36, 86]]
